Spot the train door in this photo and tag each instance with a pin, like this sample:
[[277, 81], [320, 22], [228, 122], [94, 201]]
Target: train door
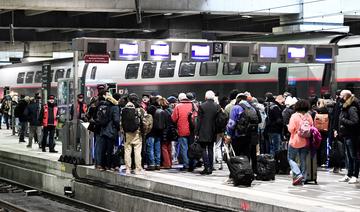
[[327, 80], [282, 79], [299, 77]]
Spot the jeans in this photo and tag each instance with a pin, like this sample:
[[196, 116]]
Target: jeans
[[7, 120], [292, 154], [208, 154], [183, 142], [353, 161], [97, 153], [175, 151], [22, 130], [275, 140], [153, 151], [49, 130]]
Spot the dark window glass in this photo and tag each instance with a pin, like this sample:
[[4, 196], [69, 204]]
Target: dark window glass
[[232, 68], [20, 78], [167, 69], [148, 70], [259, 68], [132, 71], [29, 77], [187, 69], [208, 68], [93, 72], [59, 74], [68, 73], [38, 76], [52, 75]]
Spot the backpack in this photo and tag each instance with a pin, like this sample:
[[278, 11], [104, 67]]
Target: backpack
[[147, 123], [130, 118], [102, 114], [321, 122], [221, 121], [305, 128], [159, 119], [247, 120], [193, 118]]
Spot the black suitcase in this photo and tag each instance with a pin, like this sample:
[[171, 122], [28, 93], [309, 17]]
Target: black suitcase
[[311, 168], [266, 167], [282, 163], [240, 169]]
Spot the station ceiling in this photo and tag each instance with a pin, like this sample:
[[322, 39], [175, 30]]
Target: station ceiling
[[44, 25]]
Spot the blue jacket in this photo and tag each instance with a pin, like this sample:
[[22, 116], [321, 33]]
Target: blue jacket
[[112, 128]]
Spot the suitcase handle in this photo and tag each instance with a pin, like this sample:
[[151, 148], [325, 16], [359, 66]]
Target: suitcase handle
[[228, 148]]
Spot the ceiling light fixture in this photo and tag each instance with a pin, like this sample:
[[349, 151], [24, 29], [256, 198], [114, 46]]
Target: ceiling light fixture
[[147, 30], [246, 16], [167, 14]]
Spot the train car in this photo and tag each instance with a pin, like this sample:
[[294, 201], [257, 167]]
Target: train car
[[171, 77]]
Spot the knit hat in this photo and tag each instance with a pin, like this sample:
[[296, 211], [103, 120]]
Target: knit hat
[[182, 96]]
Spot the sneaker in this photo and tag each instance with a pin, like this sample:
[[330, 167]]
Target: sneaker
[[353, 180], [345, 179], [139, 171], [298, 180], [336, 170], [28, 146], [229, 181], [127, 172]]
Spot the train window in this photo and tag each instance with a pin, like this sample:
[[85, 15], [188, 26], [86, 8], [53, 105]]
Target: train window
[[167, 69], [208, 68], [20, 78], [68, 73], [187, 69], [38, 76], [93, 72], [59, 74], [148, 70], [259, 68], [29, 77], [232, 68], [132, 71]]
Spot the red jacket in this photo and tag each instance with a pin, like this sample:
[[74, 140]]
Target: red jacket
[[180, 117], [46, 115]]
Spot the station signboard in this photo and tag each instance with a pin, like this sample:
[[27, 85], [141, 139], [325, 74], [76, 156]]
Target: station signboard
[[324, 53], [241, 52], [158, 51], [269, 52], [200, 51], [127, 49], [96, 58], [296, 53]]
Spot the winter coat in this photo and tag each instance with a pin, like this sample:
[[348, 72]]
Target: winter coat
[[229, 107], [154, 132], [274, 122], [349, 118], [180, 117], [32, 113], [170, 134], [19, 110], [112, 128], [206, 129], [286, 114], [334, 124], [49, 114], [294, 125], [234, 116]]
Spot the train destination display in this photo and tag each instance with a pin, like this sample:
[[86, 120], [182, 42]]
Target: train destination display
[[200, 52]]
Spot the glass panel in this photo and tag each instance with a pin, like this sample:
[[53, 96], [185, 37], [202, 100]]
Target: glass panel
[[29, 77], [232, 68], [187, 69], [20, 78], [148, 70], [259, 68], [208, 68], [93, 72], [167, 69], [132, 71], [38, 77], [68, 73], [59, 74]]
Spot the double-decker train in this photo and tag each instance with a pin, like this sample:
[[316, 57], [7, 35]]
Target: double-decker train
[[174, 76]]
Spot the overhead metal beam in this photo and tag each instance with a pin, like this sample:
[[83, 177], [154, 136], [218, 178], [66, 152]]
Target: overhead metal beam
[[4, 11], [229, 33], [116, 15], [180, 15], [35, 12], [68, 29], [74, 14]]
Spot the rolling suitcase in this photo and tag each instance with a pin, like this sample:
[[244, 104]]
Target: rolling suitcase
[[266, 167], [311, 168], [240, 169]]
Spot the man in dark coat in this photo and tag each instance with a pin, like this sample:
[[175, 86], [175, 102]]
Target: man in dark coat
[[205, 131], [19, 113], [32, 112], [348, 130]]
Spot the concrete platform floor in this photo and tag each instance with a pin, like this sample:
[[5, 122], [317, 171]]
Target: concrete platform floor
[[328, 195]]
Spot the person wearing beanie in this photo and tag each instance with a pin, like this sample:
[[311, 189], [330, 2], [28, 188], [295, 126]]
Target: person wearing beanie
[[49, 117], [180, 118]]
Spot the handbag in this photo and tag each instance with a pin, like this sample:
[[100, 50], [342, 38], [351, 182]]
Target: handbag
[[195, 150]]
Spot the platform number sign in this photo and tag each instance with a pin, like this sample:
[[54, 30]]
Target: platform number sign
[[46, 77]]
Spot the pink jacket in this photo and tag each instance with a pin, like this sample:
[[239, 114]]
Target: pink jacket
[[180, 117], [294, 125]]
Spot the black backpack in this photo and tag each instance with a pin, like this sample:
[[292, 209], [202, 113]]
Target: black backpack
[[247, 120], [130, 119], [221, 121], [159, 122], [102, 114]]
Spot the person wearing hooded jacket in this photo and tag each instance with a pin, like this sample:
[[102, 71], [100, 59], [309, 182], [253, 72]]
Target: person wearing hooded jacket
[[348, 130], [109, 133]]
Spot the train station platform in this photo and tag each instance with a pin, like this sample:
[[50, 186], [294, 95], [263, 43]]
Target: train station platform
[[38, 169]]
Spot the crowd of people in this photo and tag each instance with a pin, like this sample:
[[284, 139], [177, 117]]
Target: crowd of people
[[154, 132]]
